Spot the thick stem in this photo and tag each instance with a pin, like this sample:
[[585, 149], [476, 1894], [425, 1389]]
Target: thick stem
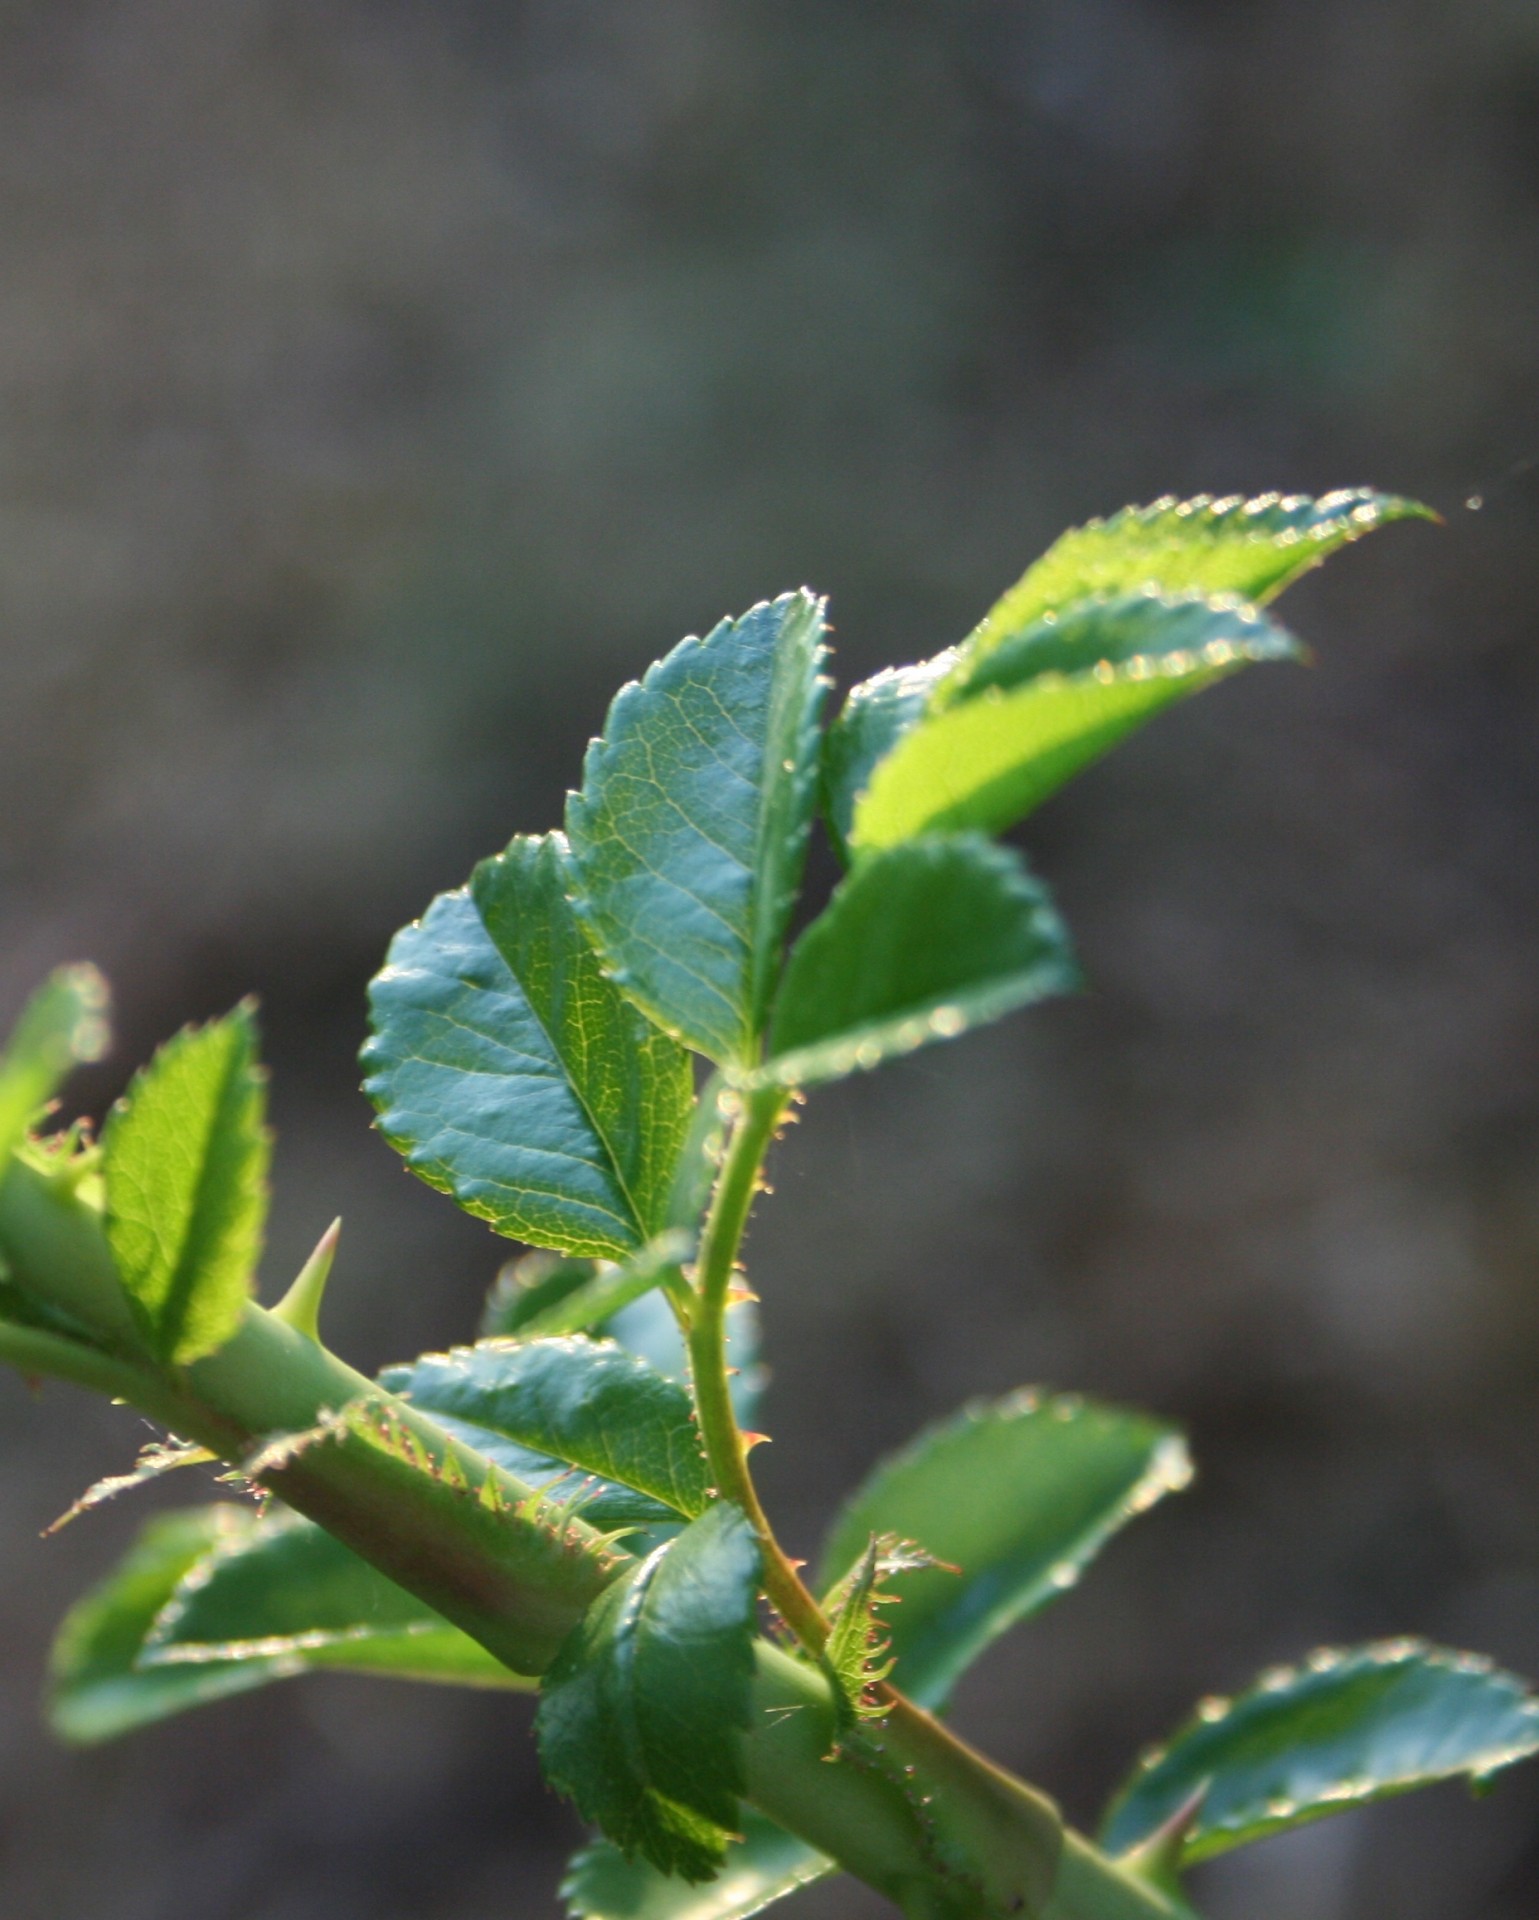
[[409, 1499]]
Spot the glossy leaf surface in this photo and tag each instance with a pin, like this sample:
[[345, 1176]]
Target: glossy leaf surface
[[690, 831], [919, 943], [874, 718], [1344, 1728], [185, 1157], [762, 1867], [579, 1403], [282, 1589], [988, 760], [511, 1073], [95, 1690], [1253, 548], [641, 1714], [1019, 1496], [1169, 633], [64, 1023]]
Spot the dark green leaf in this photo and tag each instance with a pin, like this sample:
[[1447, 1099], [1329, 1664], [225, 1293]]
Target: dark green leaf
[[1253, 548], [872, 721], [920, 943], [185, 1158], [95, 1691], [583, 1404], [285, 1591], [513, 1075], [1019, 1496], [641, 1715], [988, 760], [541, 1284], [1344, 1728], [762, 1867], [64, 1023], [690, 831]]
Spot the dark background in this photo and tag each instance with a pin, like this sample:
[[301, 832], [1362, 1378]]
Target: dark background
[[380, 384]]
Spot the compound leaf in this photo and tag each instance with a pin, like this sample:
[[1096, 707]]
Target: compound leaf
[[763, 1866], [285, 1594], [184, 1158], [96, 1691], [641, 1715], [919, 943], [690, 831], [574, 1403], [511, 1073], [1348, 1726], [1253, 548], [874, 718], [62, 1025], [1018, 1497], [1020, 725]]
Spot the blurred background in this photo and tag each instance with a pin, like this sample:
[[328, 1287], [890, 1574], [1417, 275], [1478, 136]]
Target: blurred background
[[382, 381]]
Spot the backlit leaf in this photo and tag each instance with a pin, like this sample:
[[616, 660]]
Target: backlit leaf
[[1348, 1726], [513, 1075], [641, 1716], [283, 1590], [1011, 742], [690, 831], [920, 943], [95, 1690], [185, 1157], [576, 1404], [1019, 1495], [1253, 548], [63, 1024], [762, 1867], [874, 718]]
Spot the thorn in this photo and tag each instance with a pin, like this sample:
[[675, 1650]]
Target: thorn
[[737, 1295], [752, 1440], [1158, 1859], [300, 1307]]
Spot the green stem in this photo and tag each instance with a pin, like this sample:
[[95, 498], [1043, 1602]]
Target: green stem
[[410, 1500], [725, 1448], [1004, 1828]]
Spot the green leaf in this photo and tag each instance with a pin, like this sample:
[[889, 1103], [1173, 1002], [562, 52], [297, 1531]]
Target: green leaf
[[95, 1690], [579, 1403], [919, 943], [1170, 634], [531, 1298], [185, 1157], [641, 1715], [513, 1075], [988, 760], [610, 1288], [873, 720], [283, 1590], [532, 1285], [690, 831], [1253, 548], [62, 1025], [762, 1867], [1018, 1497], [648, 1327], [1346, 1727]]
